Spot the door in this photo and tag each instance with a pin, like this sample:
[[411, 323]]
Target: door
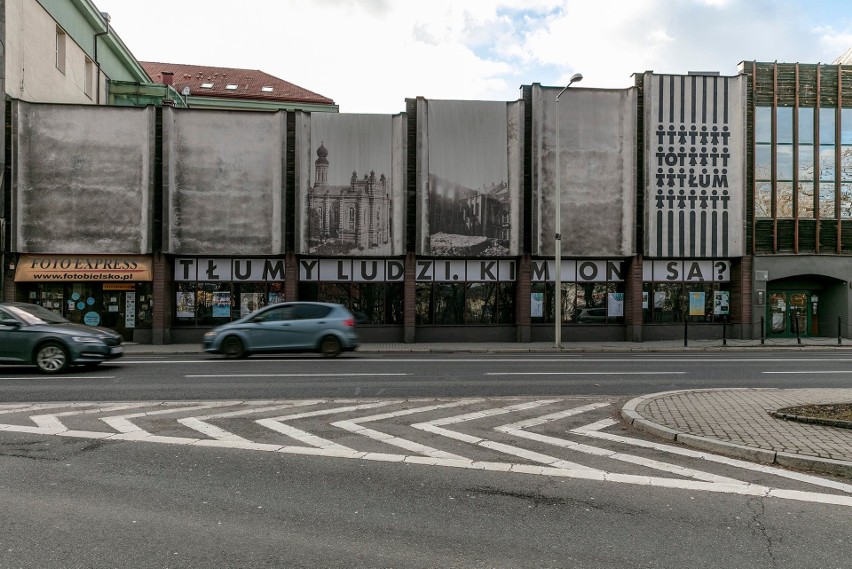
[[788, 314], [274, 329]]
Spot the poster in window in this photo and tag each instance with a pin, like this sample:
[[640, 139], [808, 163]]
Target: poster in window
[[645, 301], [722, 303], [275, 297], [615, 304], [696, 304], [249, 302], [537, 304], [186, 305], [221, 304]]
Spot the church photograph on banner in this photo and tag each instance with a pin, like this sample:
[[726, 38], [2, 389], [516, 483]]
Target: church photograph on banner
[[694, 136], [350, 184], [469, 191]]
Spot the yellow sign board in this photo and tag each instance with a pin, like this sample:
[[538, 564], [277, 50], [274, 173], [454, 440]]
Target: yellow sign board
[[69, 268]]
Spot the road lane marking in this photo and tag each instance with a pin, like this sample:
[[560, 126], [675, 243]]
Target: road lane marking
[[809, 372], [585, 373], [329, 374]]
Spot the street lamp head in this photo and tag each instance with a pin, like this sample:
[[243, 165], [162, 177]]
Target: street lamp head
[[576, 78]]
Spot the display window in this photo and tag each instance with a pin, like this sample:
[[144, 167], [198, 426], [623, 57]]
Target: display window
[[371, 303], [446, 303], [582, 303], [122, 307], [214, 303], [664, 303]]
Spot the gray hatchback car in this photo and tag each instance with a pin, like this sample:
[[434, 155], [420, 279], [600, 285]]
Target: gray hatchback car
[[33, 335], [286, 327]]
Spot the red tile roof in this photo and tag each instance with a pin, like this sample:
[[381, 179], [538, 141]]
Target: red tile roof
[[249, 83]]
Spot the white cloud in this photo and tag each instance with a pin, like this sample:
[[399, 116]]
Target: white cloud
[[369, 55]]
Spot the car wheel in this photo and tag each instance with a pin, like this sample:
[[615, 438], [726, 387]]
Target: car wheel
[[51, 358], [233, 348], [330, 347]]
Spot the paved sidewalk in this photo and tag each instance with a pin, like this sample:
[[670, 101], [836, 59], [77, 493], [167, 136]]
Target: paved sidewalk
[[734, 422], [737, 422]]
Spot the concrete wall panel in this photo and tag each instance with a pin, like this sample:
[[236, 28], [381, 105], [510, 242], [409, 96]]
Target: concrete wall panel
[[350, 194], [597, 166], [223, 182], [695, 165], [83, 179], [469, 184]]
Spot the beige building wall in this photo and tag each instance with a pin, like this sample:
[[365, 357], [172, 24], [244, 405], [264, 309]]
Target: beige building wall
[[32, 72]]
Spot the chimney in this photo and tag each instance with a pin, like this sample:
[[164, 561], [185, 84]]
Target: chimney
[[168, 77]]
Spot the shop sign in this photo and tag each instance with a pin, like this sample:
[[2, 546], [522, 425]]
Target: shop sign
[[578, 270], [470, 271], [351, 270], [66, 268], [217, 269], [689, 271]]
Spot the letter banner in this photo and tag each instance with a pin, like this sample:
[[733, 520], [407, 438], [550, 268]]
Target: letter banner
[[68, 268]]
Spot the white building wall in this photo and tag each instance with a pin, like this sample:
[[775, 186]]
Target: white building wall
[[31, 71]]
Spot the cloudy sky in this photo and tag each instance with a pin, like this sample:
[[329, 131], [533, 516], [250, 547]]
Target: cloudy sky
[[370, 55]]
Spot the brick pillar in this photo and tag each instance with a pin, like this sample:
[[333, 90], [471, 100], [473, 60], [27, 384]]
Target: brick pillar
[[291, 277], [523, 288], [164, 300], [633, 282], [8, 292], [409, 296], [742, 293]]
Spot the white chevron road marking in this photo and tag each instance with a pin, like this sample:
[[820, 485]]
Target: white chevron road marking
[[436, 427], [277, 424], [517, 430], [594, 430], [128, 431], [354, 426]]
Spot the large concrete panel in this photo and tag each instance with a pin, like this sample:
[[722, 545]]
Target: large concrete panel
[[596, 164], [695, 165], [83, 179], [350, 184], [469, 176], [223, 182]]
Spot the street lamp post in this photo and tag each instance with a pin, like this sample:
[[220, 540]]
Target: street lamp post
[[557, 218]]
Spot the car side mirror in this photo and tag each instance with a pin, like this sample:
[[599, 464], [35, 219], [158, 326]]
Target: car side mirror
[[10, 322]]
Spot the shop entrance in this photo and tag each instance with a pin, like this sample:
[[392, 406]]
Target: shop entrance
[[788, 314]]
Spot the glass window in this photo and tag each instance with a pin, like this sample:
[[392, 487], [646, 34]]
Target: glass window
[[763, 162], [449, 303], [213, 303], [826, 163], [826, 126], [846, 163], [845, 126], [784, 164], [806, 126], [506, 303], [806, 200], [763, 200], [763, 124], [785, 125], [667, 302], [826, 201], [784, 200], [806, 162], [423, 304], [846, 201], [481, 303]]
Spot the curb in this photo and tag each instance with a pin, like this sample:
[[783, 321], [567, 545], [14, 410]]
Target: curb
[[751, 454]]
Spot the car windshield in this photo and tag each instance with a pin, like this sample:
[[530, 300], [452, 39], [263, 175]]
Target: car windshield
[[34, 314]]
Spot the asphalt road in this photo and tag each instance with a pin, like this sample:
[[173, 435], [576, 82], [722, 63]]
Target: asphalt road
[[439, 375], [78, 501]]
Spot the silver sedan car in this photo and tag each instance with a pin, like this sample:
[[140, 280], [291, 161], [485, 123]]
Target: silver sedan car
[[286, 327]]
